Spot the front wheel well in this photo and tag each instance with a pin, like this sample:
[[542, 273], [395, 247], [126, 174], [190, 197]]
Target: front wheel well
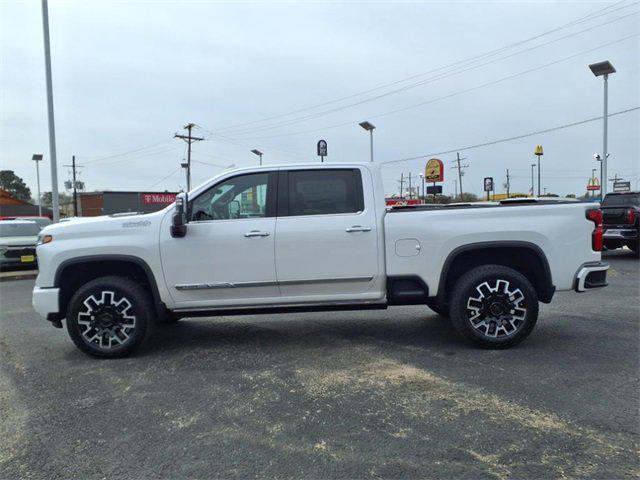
[[530, 261], [72, 276]]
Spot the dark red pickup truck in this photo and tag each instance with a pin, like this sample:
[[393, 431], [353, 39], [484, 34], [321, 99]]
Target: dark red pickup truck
[[621, 220]]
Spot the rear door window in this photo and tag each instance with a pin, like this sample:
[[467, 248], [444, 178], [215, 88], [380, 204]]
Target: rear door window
[[322, 192]]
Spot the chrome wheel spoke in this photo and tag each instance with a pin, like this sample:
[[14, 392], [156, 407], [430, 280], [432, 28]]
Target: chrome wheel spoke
[[496, 309], [107, 320]]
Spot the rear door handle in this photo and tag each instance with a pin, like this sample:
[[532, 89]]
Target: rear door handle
[[358, 228], [256, 233]]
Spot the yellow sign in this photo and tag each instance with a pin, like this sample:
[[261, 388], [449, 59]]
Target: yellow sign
[[27, 258], [434, 171], [539, 150]]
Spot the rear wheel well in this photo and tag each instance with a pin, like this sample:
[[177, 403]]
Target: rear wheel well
[[73, 276], [529, 261]]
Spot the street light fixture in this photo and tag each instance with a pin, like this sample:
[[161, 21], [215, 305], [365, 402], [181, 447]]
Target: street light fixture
[[259, 153], [37, 157], [603, 69], [369, 127]]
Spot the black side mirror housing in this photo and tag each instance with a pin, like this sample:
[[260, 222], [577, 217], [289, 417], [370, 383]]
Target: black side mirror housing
[[179, 218]]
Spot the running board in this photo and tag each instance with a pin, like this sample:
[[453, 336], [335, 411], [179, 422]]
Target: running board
[[273, 309]]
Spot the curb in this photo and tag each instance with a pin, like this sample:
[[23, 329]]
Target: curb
[[10, 276]]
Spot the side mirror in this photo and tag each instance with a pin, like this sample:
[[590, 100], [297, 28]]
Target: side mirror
[[179, 219]]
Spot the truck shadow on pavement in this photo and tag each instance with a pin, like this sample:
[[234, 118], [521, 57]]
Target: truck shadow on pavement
[[290, 332]]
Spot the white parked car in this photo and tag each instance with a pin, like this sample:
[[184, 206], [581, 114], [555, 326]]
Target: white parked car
[[312, 237], [18, 243]]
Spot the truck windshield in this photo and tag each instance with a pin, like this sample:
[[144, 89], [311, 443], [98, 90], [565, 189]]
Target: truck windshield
[[19, 229], [621, 200]]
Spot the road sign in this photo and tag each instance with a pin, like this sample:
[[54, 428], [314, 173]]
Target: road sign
[[539, 151], [593, 184], [434, 171], [434, 190], [488, 184], [322, 148], [621, 186]]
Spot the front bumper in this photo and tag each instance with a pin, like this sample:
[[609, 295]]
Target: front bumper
[[46, 301], [591, 275]]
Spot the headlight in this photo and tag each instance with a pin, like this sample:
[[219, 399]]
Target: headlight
[[42, 239]]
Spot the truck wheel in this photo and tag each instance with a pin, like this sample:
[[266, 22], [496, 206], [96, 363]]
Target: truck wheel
[[109, 317], [494, 306], [437, 307]]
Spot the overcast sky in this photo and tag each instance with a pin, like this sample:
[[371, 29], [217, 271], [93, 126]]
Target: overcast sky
[[128, 75]]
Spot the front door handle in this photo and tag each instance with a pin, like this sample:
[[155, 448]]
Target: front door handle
[[256, 233], [358, 228]]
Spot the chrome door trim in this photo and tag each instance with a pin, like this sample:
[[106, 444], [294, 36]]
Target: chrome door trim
[[215, 285], [325, 280], [208, 286]]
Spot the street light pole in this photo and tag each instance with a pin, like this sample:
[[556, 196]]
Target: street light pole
[[258, 153], [369, 127], [604, 133], [604, 69], [533, 192], [52, 129], [37, 157]]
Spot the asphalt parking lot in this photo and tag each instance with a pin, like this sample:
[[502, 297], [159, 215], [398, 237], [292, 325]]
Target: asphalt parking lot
[[382, 394]]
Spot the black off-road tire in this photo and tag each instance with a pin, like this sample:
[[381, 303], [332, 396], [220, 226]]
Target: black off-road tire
[[106, 297], [494, 306], [438, 307]]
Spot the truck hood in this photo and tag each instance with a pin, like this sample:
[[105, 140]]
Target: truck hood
[[102, 225], [15, 241]]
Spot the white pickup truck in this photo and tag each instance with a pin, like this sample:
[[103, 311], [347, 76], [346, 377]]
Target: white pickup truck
[[313, 237]]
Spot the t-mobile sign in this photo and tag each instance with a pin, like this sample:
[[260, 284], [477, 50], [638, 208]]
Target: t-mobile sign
[[158, 198]]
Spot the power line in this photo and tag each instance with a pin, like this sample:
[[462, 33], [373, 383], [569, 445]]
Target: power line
[[164, 178], [509, 139], [407, 87], [586, 18], [477, 87], [127, 152]]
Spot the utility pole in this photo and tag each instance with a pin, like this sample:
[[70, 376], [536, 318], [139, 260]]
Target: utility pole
[[593, 175], [508, 183], [459, 167], [189, 139], [401, 184], [410, 192], [614, 180], [74, 167]]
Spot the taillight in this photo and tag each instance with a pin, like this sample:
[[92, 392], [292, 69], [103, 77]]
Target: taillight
[[631, 216], [595, 215]]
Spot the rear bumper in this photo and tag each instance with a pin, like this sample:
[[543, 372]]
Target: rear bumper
[[591, 275], [620, 233], [46, 301]]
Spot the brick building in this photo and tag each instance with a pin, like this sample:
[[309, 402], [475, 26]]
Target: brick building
[[93, 204]]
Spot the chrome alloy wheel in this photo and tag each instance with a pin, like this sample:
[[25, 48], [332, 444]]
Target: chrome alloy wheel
[[498, 310], [107, 321]]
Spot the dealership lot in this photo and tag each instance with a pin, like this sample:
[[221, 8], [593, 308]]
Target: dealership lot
[[334, 395]]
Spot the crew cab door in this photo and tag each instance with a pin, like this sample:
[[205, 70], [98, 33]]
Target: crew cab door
[[326, 235], [227, 254]]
